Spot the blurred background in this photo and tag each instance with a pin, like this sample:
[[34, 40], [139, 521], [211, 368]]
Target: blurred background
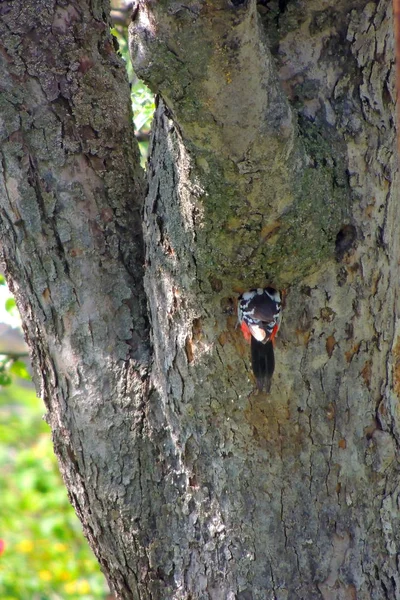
[[43, 553]]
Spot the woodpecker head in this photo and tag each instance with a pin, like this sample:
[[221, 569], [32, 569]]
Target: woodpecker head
[[259, 312]]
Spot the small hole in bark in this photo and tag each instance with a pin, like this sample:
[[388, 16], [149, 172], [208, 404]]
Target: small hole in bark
[[345, 240], [238, 2]]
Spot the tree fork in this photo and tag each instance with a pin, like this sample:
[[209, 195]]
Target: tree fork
[[201, 488]]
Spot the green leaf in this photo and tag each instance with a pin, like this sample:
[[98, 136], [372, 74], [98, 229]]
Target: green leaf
[[19, 369], [5, 378], [2, 280], [11, 306]]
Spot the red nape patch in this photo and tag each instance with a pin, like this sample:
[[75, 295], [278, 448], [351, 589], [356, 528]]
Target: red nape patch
[[245, 331]]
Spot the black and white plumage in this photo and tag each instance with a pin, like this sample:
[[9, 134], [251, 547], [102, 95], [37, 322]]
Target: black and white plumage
[[259, 316]]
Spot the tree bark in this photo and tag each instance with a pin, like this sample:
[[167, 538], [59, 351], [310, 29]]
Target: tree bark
[[71, 192], [272, 162]]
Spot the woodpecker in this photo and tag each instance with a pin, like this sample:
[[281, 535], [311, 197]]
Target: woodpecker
[[259, 317]]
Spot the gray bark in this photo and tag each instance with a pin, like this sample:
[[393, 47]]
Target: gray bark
[[272, 162], [71, 192]]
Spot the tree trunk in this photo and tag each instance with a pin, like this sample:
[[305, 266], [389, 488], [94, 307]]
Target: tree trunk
[[272, 162], [71, 192]]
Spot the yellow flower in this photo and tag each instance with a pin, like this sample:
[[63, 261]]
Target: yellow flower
[[45, 575], [83, 587], [64, 575], [25, 546], [60, 547], [70, 587]]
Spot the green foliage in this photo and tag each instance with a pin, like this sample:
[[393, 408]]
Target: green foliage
[[19, 369], [44, 556], [12, 366], [11, 307], [141, 97], [5, 378], [9, 363], [143, 110]]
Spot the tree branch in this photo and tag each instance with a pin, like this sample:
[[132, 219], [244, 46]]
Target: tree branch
[[71, 192]]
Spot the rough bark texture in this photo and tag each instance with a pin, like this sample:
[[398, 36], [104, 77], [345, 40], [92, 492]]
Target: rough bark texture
[[272, 162], [211, 64], [71, 193], [292, 495]]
